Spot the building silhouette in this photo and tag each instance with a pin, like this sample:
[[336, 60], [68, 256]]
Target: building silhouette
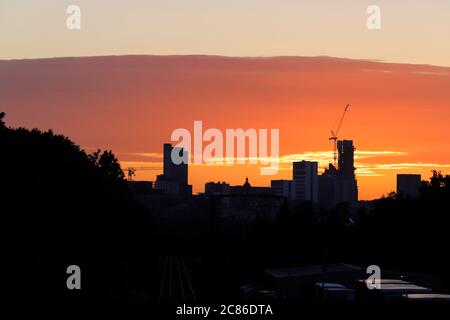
[[305, 181], [283, 188], [174, 180], [346, 152], [223, 188], [172, 171], [339, 185], [215, 188], [248, 189], [408, 185]]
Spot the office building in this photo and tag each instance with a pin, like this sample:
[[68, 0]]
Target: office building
[[174, 180], [304, 174], [172, 171]]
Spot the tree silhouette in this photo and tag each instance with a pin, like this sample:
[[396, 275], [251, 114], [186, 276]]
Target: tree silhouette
[[2, 124], [61, 206], [108, 164]]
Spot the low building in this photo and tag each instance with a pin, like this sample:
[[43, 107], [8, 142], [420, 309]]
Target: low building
[[304, 174], [247, 189], [217, 188], [283, 188]]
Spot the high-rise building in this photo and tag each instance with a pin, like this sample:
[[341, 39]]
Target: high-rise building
[[174, 180], [346, 152], [408, 185], [339, 185], [172, 171], [304, 174]]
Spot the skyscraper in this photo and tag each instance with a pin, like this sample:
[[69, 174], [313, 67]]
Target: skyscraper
[[304, 174], [346, 153], [174, 180], [172, 171]]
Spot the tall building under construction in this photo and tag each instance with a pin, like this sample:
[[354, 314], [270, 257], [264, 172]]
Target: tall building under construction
[[339, 185]]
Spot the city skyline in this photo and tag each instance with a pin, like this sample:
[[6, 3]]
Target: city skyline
[[131, 104]]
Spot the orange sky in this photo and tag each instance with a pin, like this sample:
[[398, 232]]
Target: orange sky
[[132, 104]]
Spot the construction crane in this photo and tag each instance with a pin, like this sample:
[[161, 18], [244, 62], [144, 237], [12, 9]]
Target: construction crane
[[131, 171], [334, 135]]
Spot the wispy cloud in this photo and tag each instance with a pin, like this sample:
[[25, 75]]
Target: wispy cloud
[[285, 161], [432, 73], [148, 155], [141, 164], [363, 168], [377, 169], [377, 70], [419, 72], [324, 157], [401, 166]]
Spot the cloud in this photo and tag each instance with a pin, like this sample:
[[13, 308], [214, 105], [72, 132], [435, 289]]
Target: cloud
[[376, 169], [431, 73], [377, 71], [147, 165], [363, 168], [148, 155], [418, 72]]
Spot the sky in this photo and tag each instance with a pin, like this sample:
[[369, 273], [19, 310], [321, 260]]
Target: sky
[[411, 31], [398, 118], [399, 108]]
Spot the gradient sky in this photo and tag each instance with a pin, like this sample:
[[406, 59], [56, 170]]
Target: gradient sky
[[413, 31], [398, 117]]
